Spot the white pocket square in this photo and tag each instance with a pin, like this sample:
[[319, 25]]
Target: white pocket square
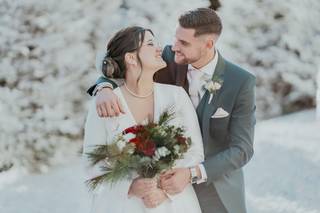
[[220, 113]]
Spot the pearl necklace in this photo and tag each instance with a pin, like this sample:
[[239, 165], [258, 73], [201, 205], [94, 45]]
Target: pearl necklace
[[135, 94]]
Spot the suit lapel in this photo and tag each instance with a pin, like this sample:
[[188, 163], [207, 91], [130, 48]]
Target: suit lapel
[[208, 108], [181, 77], [201, 106]]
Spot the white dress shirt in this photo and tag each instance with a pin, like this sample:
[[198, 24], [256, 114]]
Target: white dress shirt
[[197, 79]]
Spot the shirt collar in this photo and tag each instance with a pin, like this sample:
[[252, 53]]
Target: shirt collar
[[209, 68]]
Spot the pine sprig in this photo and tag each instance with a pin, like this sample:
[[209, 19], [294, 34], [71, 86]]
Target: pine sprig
[[99, 153], [167, 116]]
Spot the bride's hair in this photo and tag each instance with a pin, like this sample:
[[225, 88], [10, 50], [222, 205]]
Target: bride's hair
[[126, 40]]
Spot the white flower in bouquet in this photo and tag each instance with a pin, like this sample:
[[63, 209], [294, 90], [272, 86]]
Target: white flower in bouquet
[[161, 152], [121, 144], [176, 149]]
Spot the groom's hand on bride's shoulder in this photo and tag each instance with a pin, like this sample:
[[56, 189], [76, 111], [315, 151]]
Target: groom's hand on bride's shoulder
[[141, 187], [108, 103], [175, 181]]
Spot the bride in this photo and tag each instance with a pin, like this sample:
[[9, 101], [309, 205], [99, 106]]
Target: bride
[[133, 55]]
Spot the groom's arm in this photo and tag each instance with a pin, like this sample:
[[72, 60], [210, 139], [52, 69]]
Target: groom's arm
[[102, 82], [242, 123]]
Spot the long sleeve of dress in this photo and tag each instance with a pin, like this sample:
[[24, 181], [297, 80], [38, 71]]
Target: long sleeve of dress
[[95, 133]]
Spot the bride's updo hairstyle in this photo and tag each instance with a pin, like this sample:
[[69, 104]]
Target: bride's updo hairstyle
[[126, 40]]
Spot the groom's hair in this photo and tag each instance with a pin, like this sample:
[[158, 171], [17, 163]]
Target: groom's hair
[[203, 20]]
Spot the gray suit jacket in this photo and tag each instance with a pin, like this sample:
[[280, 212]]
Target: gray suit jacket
[[228, 141]]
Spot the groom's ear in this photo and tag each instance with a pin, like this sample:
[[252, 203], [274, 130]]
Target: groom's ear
[[130, 58], [211, 41]]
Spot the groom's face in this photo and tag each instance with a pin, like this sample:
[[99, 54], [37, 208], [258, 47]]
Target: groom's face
[[188, 48]]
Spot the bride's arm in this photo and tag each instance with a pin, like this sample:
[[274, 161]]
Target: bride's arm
[[189, 119], [95, 133]]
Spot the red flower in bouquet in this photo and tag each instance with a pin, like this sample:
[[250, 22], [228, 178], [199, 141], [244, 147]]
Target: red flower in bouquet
[[135, 140], [134, 129], [148, 148]]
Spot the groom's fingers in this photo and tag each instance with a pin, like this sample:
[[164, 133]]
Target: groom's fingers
[[103, 111], [121, 109], [170, 186], [168, 173], [166, 184], [110, 111], [99, 111], [115, 107]]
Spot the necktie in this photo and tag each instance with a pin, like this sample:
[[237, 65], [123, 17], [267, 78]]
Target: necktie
[[194, 78]]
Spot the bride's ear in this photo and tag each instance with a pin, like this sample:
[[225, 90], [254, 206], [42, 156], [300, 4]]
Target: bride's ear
[[131, 59]]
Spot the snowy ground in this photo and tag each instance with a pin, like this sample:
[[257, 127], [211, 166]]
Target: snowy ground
[[283, 176]]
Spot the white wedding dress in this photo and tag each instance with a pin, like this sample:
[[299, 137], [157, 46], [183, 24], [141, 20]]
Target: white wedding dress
[[114, 199]]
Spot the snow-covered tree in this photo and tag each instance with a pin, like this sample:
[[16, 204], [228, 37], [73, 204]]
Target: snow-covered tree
[[47, 60], [318, 96], [278, 41]]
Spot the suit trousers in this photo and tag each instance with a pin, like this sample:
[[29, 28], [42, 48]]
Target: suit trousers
[[209, 199]]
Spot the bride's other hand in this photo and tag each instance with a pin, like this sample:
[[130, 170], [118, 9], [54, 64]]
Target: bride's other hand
[[141, 187], [154, 198], [108, 103]]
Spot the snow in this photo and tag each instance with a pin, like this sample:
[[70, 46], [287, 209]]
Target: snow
[[47, 52], [284, 174], [59, 191], [282, 177]]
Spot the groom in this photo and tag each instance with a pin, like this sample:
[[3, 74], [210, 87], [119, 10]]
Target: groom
[[224, 97]]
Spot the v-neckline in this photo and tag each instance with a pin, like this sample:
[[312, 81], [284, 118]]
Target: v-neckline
[[128, 108]]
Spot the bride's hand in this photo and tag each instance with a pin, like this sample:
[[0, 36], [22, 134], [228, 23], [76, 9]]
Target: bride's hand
[[154, 198], [141, 187]]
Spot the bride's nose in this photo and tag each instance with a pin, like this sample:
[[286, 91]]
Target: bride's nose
[[159, 48]]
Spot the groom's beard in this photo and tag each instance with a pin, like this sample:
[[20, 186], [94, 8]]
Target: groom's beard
[[183, 60]]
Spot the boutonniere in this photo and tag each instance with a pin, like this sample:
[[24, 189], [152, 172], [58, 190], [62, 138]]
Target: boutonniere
[[213, 85]]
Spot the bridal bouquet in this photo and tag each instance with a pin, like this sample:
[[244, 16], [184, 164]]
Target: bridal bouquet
[[146, 150]]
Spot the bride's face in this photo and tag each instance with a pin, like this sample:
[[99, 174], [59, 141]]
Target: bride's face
[[150, 54]]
